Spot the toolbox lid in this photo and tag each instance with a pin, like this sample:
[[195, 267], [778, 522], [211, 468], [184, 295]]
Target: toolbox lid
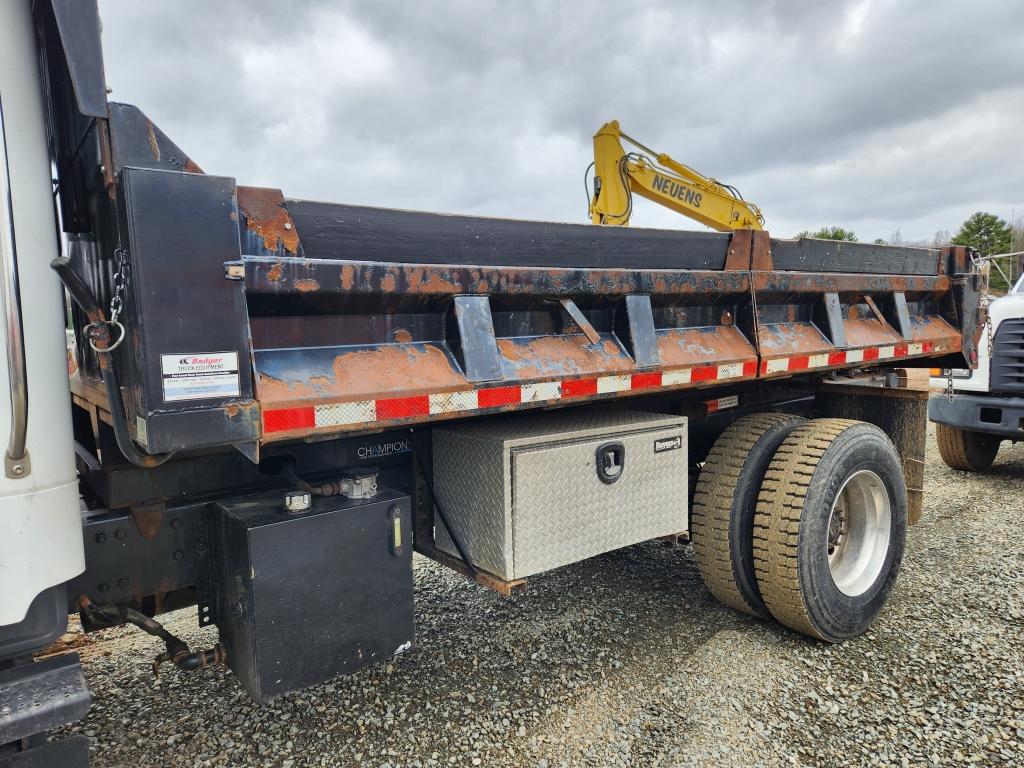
[[562, 425]]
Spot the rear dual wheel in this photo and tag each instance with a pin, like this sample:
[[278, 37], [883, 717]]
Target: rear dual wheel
[[830, 528], [722, 518], [827, 522]]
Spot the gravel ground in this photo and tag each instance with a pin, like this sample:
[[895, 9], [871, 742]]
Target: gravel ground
[[627, 660]]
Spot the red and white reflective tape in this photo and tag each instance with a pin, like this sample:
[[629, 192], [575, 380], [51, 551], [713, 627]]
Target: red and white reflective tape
[[334, 415], [843, 357]]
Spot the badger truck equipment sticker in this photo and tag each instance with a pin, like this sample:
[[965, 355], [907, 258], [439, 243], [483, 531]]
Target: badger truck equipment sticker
[[199, 376]]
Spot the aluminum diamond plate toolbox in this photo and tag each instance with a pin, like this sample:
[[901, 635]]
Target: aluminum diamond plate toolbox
[[527, 495]]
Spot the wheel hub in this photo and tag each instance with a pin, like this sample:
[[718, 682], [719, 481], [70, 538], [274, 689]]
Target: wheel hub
[[859, 528]]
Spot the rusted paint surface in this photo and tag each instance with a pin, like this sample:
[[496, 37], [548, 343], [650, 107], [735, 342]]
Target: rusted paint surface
[[791, 339], [307, 285], [348, 277], [786, 339], [431, 281], [266, 215], [503, 587], [934, 328], [443, 280], [788, 283], [106, 156], [761, 252], [154, 147], [546, 357], [869, 331], [148, 518], [954, 257], [738, 254], [712, 345], [339, 375]]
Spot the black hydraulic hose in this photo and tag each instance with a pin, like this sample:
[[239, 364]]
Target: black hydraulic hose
[[325, 489], [77, 288], [178, 652], [117, 417], [83, 297], [199, 659]]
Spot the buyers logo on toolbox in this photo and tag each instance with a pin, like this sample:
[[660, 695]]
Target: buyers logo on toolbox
[[668, 444]]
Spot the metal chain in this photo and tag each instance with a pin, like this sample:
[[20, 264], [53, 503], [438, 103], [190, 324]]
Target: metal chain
[[120, 280], [988, 327], [100, 331]]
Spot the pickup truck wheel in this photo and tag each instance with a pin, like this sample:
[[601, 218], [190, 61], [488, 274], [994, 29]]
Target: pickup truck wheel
[[969, 451], [722, 517], [830, 528]]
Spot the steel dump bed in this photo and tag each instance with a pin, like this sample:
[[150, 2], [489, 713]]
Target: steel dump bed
[[332, 319], [371, 318]]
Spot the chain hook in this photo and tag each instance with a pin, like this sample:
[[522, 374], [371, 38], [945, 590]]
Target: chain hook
[[99, 332]]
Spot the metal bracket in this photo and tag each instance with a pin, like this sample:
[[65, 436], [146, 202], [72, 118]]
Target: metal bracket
[[581, 320], [902, 314], [834, 320], [893, 312], [17, 468], [875, 310], [477, 348], [638, 332], [147, 518]]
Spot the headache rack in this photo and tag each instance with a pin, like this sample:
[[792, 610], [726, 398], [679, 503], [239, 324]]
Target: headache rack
[[334, 319]]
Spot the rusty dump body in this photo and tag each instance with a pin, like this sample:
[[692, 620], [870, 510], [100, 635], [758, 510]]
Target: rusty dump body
[[680, 321], [348, 320], [373, 328]]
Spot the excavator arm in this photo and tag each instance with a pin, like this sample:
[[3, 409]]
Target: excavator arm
[[618, 174]]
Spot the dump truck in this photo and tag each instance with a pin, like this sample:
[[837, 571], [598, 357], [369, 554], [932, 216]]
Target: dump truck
[[980, 407], [268, 405]]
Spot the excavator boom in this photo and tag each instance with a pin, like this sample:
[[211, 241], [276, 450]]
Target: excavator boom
[[619, 174]]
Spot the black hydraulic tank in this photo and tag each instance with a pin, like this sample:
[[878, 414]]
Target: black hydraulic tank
[[299, 599]]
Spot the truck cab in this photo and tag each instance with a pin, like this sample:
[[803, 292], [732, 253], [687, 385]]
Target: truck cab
[[982, 407]]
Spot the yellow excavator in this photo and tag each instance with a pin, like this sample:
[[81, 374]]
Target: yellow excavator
[[656, 176]]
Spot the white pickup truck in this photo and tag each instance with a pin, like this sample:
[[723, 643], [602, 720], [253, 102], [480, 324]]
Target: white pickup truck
[[982, 407]]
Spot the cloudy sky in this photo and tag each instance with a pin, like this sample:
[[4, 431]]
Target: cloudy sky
[[872, 114]]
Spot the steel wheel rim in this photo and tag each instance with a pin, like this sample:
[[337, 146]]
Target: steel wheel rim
[[858, 533]]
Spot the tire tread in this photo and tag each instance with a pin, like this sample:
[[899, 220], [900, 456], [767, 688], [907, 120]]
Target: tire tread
[[712, 504], [955, 450], [777, 520]]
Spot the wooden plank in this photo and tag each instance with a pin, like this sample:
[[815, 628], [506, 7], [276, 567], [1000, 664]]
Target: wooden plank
[[489, 580]]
